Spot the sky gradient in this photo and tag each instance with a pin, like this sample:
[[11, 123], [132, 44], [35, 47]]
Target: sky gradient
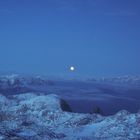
[[98, 37]]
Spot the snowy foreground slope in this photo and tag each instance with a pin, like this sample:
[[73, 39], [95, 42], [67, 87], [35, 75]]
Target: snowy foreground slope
[[32, 116]]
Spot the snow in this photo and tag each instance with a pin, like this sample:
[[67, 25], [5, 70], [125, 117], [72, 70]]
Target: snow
[[40, 117], [37, 115], [22, 97], [51, 102], [5, 80]]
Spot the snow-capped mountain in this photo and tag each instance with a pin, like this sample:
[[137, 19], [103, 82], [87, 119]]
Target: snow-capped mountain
[[111, 95], [134, 80], [21, 81], [18, 83], [39, 108], [15, 80]]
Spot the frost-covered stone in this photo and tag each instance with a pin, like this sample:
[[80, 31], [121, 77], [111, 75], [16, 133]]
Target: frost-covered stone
[[50, 102], [41, 117]]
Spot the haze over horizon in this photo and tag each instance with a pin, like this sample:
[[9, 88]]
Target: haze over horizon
[[47, 37]]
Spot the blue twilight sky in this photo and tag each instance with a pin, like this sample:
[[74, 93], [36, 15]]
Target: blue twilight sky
[[98, 37]]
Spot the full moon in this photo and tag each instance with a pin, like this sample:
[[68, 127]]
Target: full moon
[[72, 68]]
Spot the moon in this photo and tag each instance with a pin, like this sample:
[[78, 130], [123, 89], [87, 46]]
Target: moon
[[72, 68]]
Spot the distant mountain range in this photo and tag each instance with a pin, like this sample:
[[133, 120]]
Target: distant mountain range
[[15, 80], [110, 94]]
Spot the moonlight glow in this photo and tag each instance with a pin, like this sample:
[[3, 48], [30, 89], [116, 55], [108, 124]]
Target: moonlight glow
[[72, 68]]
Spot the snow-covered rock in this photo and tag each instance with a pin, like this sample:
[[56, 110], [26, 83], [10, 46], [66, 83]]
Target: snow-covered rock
[[41, 117]]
